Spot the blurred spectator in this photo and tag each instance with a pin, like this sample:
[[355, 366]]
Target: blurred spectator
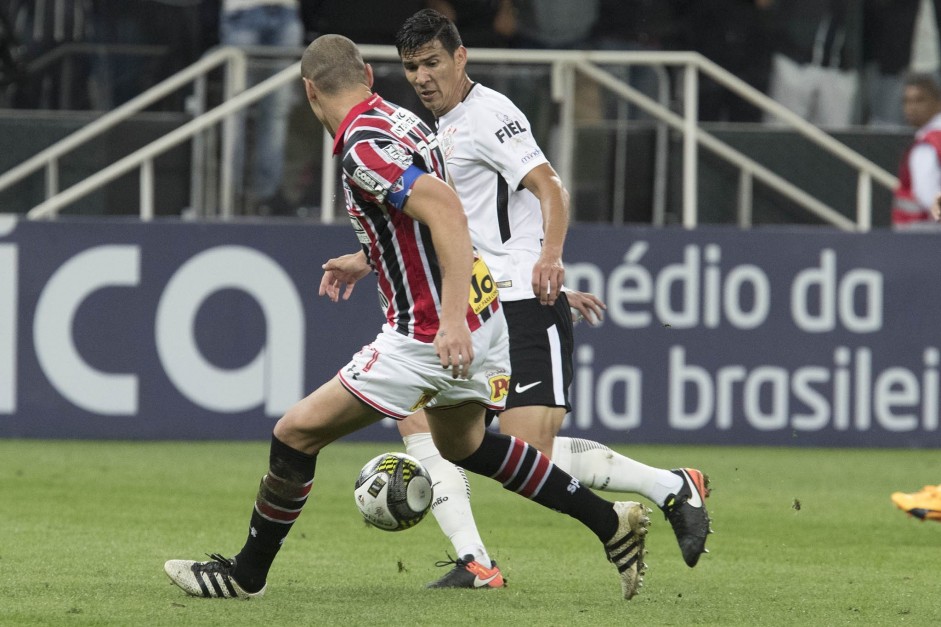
[[920, 167], [637, 25], [119, 75], [738, 38], [368, 22], [814, 69], [265, 23], [363, 21], [482, 23], [12, 68], [555, 24], [890, 36]]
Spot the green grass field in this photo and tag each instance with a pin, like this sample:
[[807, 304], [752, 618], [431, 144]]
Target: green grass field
[[803, 537]]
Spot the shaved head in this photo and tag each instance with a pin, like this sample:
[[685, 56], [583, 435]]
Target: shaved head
[[333, 64]]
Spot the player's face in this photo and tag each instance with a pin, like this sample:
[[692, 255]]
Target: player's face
[[436, 76], [918, 106]]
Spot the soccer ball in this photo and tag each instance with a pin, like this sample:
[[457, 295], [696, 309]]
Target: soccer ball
[[393, 491]]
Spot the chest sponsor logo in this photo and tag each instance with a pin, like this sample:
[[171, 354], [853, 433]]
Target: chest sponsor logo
[[404, 122], [510, 130], [359, 230], [365, 179], [397, 155]]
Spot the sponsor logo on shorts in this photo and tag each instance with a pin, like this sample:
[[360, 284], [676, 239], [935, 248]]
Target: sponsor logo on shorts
[[499, 387], [426, 397], [522, 388]]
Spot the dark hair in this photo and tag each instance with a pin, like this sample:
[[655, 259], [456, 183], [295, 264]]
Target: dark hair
[[424, 28], [925, 82]]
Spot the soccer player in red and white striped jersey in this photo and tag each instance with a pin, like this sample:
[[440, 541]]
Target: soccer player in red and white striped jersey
[[444, 346]]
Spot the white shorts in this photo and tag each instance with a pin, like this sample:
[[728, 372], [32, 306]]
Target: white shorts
[[397, 375]]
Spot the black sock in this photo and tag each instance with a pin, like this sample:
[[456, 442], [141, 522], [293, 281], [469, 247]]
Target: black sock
[[281, 496], [521, 468]]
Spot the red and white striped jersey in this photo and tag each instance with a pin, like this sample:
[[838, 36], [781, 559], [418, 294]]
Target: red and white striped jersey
[[381, 145]]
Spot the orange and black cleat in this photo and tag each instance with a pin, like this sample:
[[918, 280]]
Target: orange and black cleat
[[469, 573], [924, 505]]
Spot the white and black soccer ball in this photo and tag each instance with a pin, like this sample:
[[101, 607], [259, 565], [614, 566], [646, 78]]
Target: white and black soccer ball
[[393, 491]]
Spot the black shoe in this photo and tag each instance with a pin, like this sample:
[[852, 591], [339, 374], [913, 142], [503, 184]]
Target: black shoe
[[469, 573], [686, 511]]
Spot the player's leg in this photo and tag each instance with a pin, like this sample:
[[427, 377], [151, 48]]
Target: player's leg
[[460, 435], [326, 414], [452, 510], [541, 345]]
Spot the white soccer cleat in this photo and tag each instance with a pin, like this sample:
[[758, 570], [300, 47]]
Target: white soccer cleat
[[212, 579], [625, 549]]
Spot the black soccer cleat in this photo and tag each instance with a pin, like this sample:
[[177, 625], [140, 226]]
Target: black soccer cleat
[[686, 511], [469, 573]]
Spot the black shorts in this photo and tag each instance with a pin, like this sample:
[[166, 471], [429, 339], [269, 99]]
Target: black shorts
[[541, 345]]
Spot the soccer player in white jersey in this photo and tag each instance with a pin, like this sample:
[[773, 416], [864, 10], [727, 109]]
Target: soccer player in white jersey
[[517, 209], [443, 347]]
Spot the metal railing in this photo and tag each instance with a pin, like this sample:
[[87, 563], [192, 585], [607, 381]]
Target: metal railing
[[48, 159], [564, 65]]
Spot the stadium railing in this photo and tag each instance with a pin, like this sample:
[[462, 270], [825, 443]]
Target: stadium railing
[[234, 62], [564, 66]]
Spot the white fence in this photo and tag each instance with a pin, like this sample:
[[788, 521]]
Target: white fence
[[563, 65]]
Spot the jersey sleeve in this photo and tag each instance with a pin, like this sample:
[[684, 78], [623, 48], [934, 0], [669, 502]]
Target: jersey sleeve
[[504, 139], [926, 173], [381, 168]]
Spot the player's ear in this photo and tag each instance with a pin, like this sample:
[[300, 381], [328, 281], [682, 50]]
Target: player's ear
[[460, 57], [369, 76], [309, 90]]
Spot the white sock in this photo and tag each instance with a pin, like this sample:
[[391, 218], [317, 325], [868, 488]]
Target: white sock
[[596, 466], [451, 505]]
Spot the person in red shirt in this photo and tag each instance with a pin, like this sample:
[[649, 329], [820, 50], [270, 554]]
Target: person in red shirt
[[920, 167]]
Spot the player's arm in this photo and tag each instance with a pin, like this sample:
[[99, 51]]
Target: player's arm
[[549, 273], [345, 270], [435, 204]]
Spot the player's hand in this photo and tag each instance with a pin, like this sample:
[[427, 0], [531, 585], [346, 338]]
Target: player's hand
[[936, 209], [548, 275], [455, 349], [342, 273], [586, 307]]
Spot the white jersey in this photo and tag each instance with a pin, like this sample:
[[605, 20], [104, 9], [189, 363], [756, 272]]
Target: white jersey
[[489, 147]]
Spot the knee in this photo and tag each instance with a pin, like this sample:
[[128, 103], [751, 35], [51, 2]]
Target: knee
[[297, 432]]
